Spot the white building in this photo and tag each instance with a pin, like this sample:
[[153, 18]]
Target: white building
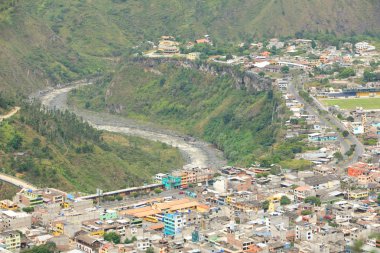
[[364, 47], [143, 245], [221, 185]]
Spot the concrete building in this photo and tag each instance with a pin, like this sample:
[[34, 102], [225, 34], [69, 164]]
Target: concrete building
[[302, 192], [319, 137], [322, 182], [108, 215], [304, 232], [8, 204], [356, 128], [27, 197], [88, 244], [159, 176], [14, 220], [11, 240], [173, 223]]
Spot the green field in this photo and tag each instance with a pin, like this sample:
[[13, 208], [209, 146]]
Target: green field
[[352, 103]]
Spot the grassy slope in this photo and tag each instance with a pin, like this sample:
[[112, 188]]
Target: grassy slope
[[186, 100], [126, 162], [59, 40], [7, 191]]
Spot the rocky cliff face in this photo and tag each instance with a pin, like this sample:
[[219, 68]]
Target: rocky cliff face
[[243, 80]]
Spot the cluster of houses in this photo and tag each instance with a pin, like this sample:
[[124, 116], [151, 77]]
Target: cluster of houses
[[323, 142], [228, 210]]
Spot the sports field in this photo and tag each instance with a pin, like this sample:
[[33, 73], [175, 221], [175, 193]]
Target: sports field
[[352, 103]]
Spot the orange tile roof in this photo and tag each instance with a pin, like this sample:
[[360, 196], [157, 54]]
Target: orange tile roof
[[159, 207], [156, 226], [184, 205], [202, 41], [137, 210], [169, 204], [204, 206], [303, 188], [146, 213]]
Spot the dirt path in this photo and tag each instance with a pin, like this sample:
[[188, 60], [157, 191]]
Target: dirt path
[[10, 113]]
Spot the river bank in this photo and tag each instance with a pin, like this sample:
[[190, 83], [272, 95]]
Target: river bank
[[195, 152]]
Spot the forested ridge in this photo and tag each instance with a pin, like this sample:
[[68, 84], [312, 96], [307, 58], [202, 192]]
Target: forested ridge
[[57, 149], [242, 123]]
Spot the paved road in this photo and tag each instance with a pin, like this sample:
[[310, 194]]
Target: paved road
[[16, 181], [331, 121], [197, 153]]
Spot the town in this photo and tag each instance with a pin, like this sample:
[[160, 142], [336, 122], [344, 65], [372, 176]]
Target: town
[[327, 200]]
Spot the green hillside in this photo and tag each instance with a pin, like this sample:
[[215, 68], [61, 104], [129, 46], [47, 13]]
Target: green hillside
[[243, 124], [47, 42], [56, 149], [7, 191], [54, 41]]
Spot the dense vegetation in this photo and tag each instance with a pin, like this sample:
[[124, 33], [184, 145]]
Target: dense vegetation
[[49, 247], [7, 191], [241, 123], [55, 41], [53, 148]]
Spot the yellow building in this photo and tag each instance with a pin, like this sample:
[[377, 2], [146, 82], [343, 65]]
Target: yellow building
[[7, 204], [358, 194], [99, 232], [11, 240], [58, 228]]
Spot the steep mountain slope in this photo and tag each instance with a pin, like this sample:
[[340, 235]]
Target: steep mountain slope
[[244, 124], [55, 149], [54, 41]]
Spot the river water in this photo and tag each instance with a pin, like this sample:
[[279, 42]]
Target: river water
[[195, 152]]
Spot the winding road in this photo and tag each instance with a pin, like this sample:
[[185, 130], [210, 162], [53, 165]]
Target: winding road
[[328, 119], [196, 153]]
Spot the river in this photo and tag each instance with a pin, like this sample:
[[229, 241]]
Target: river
[[195, 152]]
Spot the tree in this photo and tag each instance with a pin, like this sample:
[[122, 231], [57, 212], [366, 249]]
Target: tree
[[285, 201], [229, 57], [157, 190], [112, 237], [313, 44], [338, 156], [28, 209], [369, 76], [350, 119], [128, 241], [49, 247], [15, 142], [149, 250], [36, 142], [217, 174], [305, 212], [313, 200], [346, 72], [265, 205], [345, 133], [262, 74], [285, 70], [357, 246]]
